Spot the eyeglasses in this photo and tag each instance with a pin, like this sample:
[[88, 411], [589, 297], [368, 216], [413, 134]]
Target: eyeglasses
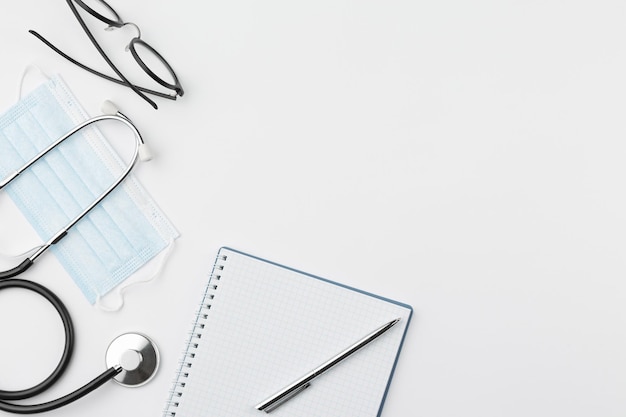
[[150, 61]]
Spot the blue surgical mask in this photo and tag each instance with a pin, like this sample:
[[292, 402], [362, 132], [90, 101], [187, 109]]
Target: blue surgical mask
[[118, 236]]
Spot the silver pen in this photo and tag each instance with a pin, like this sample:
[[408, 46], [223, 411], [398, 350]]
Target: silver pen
[[299, 385]]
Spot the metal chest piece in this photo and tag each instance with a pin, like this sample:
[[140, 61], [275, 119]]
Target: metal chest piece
[[138, 357]]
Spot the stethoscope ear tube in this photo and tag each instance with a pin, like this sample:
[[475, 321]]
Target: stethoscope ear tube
[[139, 149], [60, 368]]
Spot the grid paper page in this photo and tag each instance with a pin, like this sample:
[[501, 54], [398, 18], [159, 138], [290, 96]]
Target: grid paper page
[[267, 326]]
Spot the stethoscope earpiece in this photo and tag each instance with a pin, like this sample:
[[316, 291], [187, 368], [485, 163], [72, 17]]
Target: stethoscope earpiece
[[108, 107], [145, 154]]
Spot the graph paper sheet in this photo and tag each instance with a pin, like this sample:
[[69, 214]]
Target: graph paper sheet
[[261, 326]]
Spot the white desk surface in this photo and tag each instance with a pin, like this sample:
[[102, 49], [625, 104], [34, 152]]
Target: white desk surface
[[466, 158]]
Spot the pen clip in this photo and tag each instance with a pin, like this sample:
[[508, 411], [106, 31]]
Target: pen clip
[[269, 407]]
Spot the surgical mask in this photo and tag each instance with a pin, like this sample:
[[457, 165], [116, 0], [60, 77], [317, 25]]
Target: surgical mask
[[118, 236]]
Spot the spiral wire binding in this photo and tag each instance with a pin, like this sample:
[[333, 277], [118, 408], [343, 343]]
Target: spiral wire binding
[[193, 342]]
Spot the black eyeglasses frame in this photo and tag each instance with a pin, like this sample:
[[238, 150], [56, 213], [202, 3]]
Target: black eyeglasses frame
[[176, 86]]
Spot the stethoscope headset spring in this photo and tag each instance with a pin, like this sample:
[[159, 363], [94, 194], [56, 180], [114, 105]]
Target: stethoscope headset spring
[[133, 375]]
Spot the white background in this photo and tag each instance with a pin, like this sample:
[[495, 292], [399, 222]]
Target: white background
[[466, 158]]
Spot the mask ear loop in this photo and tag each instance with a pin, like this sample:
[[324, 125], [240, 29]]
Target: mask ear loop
[[10, 257], [29, 69], [122, 288]]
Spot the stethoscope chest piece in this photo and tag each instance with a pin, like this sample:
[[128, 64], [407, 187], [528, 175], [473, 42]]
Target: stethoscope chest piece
[[138, 357]]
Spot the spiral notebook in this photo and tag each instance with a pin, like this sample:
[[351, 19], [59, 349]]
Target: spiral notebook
[[260, 326]]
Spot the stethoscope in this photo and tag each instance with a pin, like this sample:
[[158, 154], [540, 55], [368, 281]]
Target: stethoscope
[[132, 358]]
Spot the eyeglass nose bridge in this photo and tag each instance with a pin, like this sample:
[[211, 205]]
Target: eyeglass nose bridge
[[127, 47], [110, 28]]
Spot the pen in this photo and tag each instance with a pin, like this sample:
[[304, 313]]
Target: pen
[[299, 385]]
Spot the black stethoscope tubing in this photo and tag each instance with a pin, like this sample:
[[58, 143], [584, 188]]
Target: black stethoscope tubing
[[60, 368]]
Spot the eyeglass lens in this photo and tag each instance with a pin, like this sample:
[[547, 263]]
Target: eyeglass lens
[[101, 10], [156, 64]]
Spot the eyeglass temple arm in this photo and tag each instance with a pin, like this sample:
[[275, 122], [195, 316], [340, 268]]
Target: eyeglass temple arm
[[99, 74]]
